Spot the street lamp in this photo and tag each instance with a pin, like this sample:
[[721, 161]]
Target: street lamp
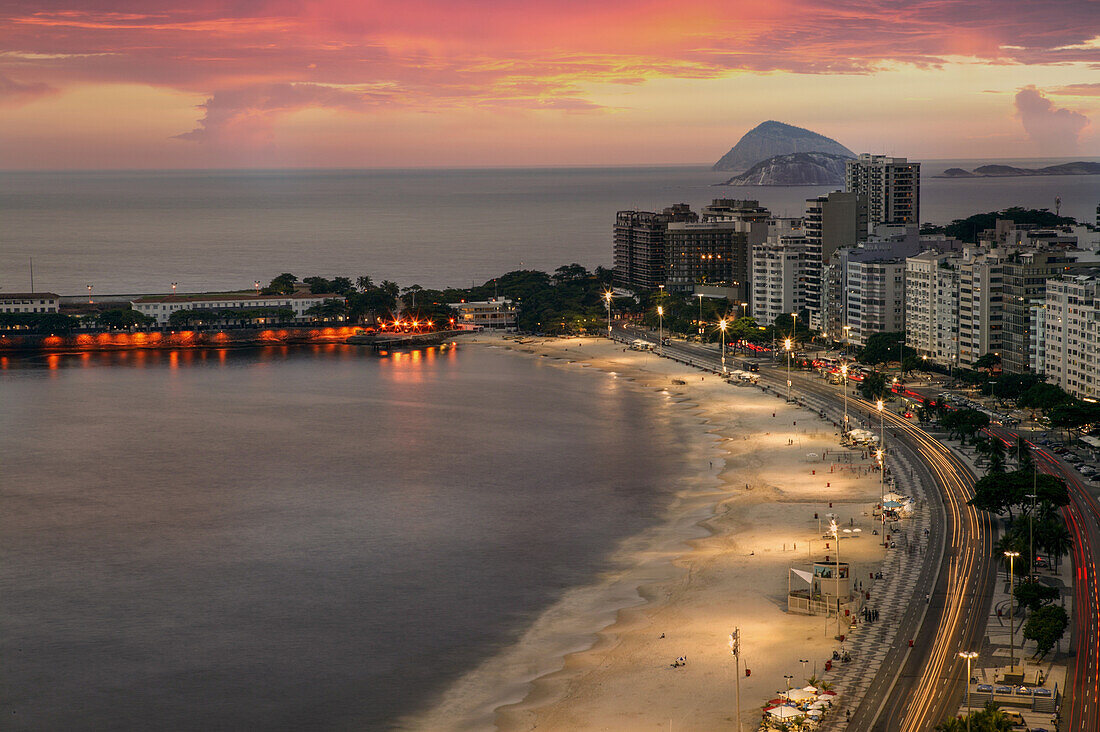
[[787, 348], [661, 332], [735, 651], [788, 677], [969, 656], [844, 391], [804, 661], [835, 531], [1031, 530], [700, 296], [89, 294], [882, 466], [1011, 608], [607, 298], [174, 289], [722, 329]]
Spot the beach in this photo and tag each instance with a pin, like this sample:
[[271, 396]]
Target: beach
[[601, 658]]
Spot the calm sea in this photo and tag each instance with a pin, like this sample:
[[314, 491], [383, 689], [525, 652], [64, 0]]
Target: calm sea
[[127, 232], [298, 539]]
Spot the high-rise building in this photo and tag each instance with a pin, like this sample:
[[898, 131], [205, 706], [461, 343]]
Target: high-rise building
[[1024, 281], [892, 187], [831, 222], [1071, 333], [932, 305], [718, 249], [639, 254], [980, 307], [869, 281], [780, 269]]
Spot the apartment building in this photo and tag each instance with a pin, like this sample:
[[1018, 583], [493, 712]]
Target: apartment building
[[980, 293], [1024, 277], [1071, 333], [832, 221], [780, 269], [639, 245], [891, 185], [932, 305]]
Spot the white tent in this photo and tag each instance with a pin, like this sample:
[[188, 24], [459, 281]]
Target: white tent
[[797, 695], [810, 688], [785, 712]]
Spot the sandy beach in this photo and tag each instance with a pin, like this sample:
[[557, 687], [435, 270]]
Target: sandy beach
[[600, 658]]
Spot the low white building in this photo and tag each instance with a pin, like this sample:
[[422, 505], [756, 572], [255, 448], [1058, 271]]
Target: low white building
[[496, 312], [161, 307], [29, 302]]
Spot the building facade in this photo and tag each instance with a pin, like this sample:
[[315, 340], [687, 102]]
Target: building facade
[[710, 252], [1024, 280], [780, 269], [831, 222], [161, 307], [29, 302], [639, 245], [980, 304], [932, 305], [891, 185], [497, 313], [1071, 333]]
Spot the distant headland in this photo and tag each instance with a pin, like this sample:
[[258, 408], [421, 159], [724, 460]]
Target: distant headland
[[1009, 171]]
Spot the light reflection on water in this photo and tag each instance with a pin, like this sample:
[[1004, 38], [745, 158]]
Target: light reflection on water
[[308, 537]]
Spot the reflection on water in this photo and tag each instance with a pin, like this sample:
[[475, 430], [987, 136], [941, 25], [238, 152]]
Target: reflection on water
[[308, 537]]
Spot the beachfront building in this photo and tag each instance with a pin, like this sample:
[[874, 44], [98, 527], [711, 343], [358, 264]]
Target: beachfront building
[[1071, 333], [833, 221], [1024, 276], [891, 185], [712, 252], [639, 245], [29, 302], [222, 305], [498, 313], [780, 269], [932, 305], [980, 312]]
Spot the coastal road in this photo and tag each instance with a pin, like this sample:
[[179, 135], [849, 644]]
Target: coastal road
[[1081, 707], [916, 688]]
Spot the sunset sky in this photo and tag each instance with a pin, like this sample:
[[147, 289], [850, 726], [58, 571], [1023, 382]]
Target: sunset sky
[[320, 83]]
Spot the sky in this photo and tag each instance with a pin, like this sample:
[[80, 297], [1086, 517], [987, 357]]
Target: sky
[[469, 83]]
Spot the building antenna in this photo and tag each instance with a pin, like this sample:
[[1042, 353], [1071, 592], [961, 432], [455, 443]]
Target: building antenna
[[32, 273], [1057, 205]]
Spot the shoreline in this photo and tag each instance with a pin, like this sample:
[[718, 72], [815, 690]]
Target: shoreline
[[598, 658]]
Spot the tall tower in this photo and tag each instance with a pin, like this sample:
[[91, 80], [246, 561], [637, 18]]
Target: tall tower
[[892, 187]]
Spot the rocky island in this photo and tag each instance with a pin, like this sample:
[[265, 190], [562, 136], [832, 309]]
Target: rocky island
[[795, 169], [1009, 171], [772, 138]]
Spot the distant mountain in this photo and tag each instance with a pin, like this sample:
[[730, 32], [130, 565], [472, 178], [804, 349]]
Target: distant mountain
[[1009, 171], [795, 169], [772, 138]]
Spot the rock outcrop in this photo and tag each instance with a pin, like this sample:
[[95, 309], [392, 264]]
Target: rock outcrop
[[795, 169], [772, 138]]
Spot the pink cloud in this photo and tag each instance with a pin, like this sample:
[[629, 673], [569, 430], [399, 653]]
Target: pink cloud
[[1055, 130], [257, 60], [14, 93]]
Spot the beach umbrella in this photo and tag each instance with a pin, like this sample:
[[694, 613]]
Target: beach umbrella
[[810, 689], [800, 695], [777, 701], [785, 712], [814, 713], [818, 705], [828, 693]]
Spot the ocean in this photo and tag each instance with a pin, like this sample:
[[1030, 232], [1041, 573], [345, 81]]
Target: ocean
[[138, 232], [295, 539]]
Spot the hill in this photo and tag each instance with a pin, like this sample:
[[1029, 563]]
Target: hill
[[794, 169], [1009, 171], [772, 138]]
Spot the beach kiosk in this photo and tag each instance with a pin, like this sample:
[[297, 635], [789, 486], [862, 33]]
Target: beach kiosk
[[823, 589]]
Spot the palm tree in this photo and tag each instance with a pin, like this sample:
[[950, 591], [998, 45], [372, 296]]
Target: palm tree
[[364, 282], [1054, 538]]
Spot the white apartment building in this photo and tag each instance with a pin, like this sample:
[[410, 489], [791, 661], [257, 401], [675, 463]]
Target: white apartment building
[[980, 304], [875, 296], [832, 221], [932, 305], [892, 187], [1071, 334], [780, 269], [161, 307], [29, 302]]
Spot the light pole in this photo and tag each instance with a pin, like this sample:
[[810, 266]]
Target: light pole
[[661, 331], [700, 296], [735, 651], [89, 294], [844, 391], [835, 531], [174, 289], [722, 329], [804, 661], [607, 299], [787, 348], [256, 285], [846, 329], [969, 656], [882, 466], [1031, 530], [788, 677], [1011, 608]]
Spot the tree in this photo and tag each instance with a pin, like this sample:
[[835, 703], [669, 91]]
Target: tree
[[1025, 461], [342, 285], [1033, 594], [1053, 537], [990, 719], [569, 272], [1046, 626], [882, 348], [969, 228], [989, 362], [284, 284], [873, 386], [996, 456], [318, 285], [364, 282]]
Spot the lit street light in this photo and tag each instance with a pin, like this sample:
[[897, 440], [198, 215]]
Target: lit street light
[[607, 298], [700, 296], [661, 331], [969, 656], [89, 294], [882, 466], [1011, 608], [722, 328], [787, 348], [835, 531], [844, 390]]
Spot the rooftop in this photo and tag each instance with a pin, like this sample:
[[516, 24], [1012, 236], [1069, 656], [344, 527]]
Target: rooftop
[[28, 295], [207, 296]]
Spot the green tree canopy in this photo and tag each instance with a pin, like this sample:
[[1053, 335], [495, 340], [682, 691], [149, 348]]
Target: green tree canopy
[[1046, 626], [284, 284], [1034, 595], [882, 348], [873, 386], [990, 719]]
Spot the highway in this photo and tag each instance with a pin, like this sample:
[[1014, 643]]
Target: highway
[[916, 688]]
